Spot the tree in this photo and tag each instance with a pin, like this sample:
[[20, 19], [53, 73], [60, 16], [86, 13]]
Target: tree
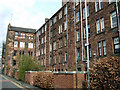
[[105, 73], [27, 63]]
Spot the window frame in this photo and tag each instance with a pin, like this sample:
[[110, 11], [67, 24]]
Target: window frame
[[65, 25], [98, 26], [104, 47], [85, 35], [84, 13], [99, 49], [111, 19], [77, 2], [60, 28], [65, 10], [116, 44], [15, 42], [98, 5], [66, 56], [77, 16], [60, 14], [30, 45], [102, 24], [78, 35], [16, 34], [23, 44]]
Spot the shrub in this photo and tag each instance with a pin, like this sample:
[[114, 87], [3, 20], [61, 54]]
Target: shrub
[[44, 80], [105, 73], [27, 63]]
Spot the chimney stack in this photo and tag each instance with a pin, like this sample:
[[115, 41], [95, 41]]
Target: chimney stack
[[46, 19]]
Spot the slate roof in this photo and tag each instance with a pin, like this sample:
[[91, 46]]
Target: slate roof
[[20, 29]]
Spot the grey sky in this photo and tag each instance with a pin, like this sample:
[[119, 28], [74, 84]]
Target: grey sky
[[25, 13]]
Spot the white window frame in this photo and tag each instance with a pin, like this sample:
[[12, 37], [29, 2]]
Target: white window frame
[[99, 49], [116, 44], [50, 22], [102, 24], [99, 5], [15, 43], [78, 35], [65, 10], [22, 35], [113, 14], [22, 44], [42, 51], [54, 46], [111, 1], [104, 48], [45, 27], [43, 30], [60, 28], [65, 25], [16, 34], [84, 13], [55, 19], [98, 26], [50, 47], [77, 2], [85, 33], [30, 45], [77, 17], [60, 14], [66, 58]]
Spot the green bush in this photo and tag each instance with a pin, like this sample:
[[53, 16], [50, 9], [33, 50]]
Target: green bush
[[27, 63]]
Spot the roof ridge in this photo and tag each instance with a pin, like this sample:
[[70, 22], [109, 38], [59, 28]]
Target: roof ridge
[[21, 27]]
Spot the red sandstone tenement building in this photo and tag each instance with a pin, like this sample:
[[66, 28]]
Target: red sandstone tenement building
[[61, 41], [60, 44], [20, 41]]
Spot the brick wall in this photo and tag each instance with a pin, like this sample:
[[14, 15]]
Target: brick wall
[[29, 76], [68, 80], [61, 80]]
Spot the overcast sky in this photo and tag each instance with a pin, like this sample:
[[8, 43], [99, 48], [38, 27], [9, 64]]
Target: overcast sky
[[25, 13]]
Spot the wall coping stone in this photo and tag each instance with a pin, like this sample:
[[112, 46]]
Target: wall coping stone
[[36, 71], [31, 71], [72, 72]]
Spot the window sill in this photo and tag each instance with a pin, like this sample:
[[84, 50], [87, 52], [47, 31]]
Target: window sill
[[110, 3], [85, 38], [99, 10], [113, 28], [76, 5], [100, 33], [77, 41], [102, 56], [85, 18], [77, 22]]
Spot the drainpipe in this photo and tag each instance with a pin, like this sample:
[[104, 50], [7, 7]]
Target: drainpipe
[[75, 43], [87, 43], [45, 45], [81, 28], [118, 22], [67, 35], [75, 36], [49, 43]]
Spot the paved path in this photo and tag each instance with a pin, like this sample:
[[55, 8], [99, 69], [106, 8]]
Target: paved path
[[6, 83]]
